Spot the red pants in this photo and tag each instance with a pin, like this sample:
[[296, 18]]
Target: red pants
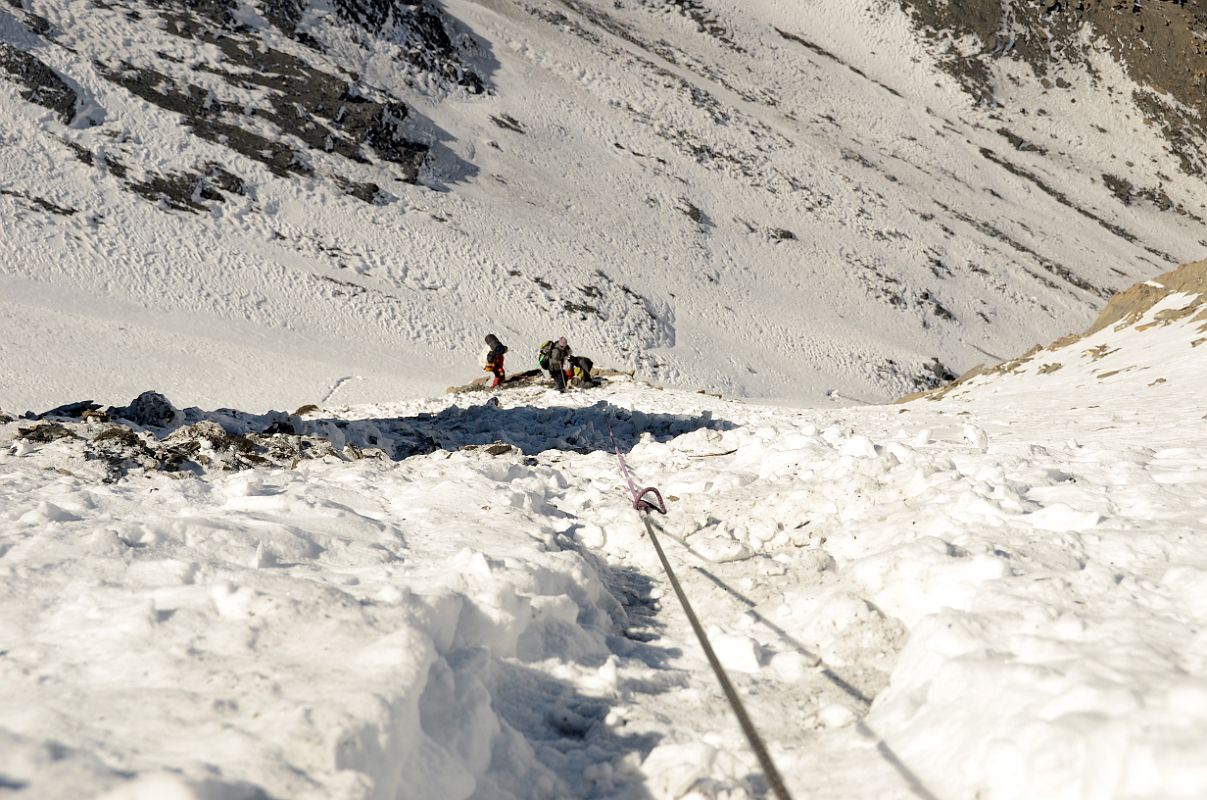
[[497, 375]]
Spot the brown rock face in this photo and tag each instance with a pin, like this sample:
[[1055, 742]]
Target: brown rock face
[[1161, 43], [1125, 308], [1130, 305]]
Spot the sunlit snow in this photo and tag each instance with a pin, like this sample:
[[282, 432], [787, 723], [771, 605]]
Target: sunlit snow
[[996, 594]]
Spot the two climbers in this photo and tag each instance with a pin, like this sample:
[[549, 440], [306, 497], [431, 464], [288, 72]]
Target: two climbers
[[554, 357]]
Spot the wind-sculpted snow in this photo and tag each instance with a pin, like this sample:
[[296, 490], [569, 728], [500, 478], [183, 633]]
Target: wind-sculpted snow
[[734, 198], [997, 594]]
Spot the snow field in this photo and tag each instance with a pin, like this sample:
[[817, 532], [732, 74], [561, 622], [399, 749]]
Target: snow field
[[256, 621], [906, 244], [998, 594]]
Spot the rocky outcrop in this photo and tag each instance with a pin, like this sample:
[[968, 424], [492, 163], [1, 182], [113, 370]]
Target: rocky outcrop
[[151, 434], [1160, 43], [311, 115], [150, 410], [422, 30], [42, 85], [312, 109], [1128, 308]]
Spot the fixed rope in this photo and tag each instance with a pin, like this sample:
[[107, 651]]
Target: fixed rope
[[643, 507]]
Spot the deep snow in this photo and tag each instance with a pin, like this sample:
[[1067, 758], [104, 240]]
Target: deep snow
[[997, 594], [782, 201]]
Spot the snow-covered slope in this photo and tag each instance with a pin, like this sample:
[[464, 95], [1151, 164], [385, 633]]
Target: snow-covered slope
[[996, 594], [1118, 350], [261, 203]]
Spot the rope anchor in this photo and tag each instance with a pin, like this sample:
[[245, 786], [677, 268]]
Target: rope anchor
[[757, 746], [641, 504]]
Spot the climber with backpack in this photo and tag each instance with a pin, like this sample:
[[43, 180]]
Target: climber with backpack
[[492, 360], [566, 369], [553, 358]]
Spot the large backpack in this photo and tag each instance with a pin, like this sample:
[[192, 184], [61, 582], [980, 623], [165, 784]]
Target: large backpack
[[542, 357]]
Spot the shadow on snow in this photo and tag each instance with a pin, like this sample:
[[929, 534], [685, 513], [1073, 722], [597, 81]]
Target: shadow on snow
[[529, 429]]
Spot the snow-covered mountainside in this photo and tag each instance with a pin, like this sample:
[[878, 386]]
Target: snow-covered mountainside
[[997, 593], [260, 203], [1113, 345]]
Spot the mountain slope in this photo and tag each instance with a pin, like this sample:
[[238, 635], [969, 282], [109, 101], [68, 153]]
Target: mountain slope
[[995, 594], [344, 197], [1144, 338]]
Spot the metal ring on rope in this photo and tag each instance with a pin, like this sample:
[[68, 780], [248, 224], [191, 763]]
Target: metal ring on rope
[[641, 504]]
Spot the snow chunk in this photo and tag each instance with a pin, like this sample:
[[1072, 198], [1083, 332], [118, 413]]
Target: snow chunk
[[1061, 518], [736, 652]]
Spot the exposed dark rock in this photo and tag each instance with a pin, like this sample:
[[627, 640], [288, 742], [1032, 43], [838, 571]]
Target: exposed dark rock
[[325, 112], [229, 450], [189, 191], [284, 14], [113, 165], [149, 409], [1020, 143], [122, 450], [936, 307], [582, 309], [288, 450], [373, 15], [706, 21], [120, 435], [423, 32], [1064, 200], [368, 192], [381, 129], [1160, 44], [280, 426], [1122, 188], [221, 12], [824, 53], [40, 203], [1185, 134], [36, 22], [920, 378], [82, 153], [877, 282], [507, 122], [200, 110], [939, 370], [693, 212], [46, 432], [215, 176], [1048, 265], [42, 84], [180, 192], [71, 410]]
